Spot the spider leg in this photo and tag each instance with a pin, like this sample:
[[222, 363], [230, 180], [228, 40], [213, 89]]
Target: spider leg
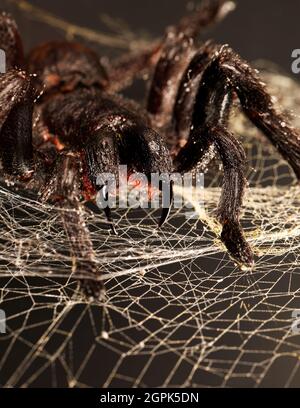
[[259, 107], [16, 102], [255, 101], [63, 189], [210, 120], [233, 157], [209, 12], [177, 51], [225, 74], [187, 92], [126, 68]]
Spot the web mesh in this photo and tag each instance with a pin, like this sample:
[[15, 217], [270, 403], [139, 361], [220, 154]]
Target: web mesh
[[177, 311]]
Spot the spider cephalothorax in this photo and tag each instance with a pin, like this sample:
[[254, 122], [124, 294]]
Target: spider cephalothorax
[[82, 128]]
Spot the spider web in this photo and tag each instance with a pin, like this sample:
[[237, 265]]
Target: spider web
[[177, 311]]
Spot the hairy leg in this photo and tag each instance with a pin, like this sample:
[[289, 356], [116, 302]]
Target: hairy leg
[[16, 102], [225, 74], [233, 158], [177, 52], [187, 92], [259, 107], [125, 69], [227, 68], [64, 189], [210, 122]]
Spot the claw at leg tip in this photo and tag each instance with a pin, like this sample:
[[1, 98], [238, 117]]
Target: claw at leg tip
[[113, 230], [167, 210], [164, 217], [107, 210], [110, 221]]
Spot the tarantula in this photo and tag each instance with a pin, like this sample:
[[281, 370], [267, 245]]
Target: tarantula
[[82, 127]]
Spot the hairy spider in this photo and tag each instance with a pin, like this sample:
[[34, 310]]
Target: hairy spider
[[82, 127]]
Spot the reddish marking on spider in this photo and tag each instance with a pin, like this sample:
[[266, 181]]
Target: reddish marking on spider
[[152, 192], [134, 183], [59, 146], [47, 137], [52, 80], [88, 190]]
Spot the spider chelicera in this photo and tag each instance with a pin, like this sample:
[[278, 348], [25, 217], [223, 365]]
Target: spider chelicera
[[80, 126]]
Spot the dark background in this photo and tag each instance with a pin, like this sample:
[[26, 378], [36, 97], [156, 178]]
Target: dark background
[[267, 29]]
